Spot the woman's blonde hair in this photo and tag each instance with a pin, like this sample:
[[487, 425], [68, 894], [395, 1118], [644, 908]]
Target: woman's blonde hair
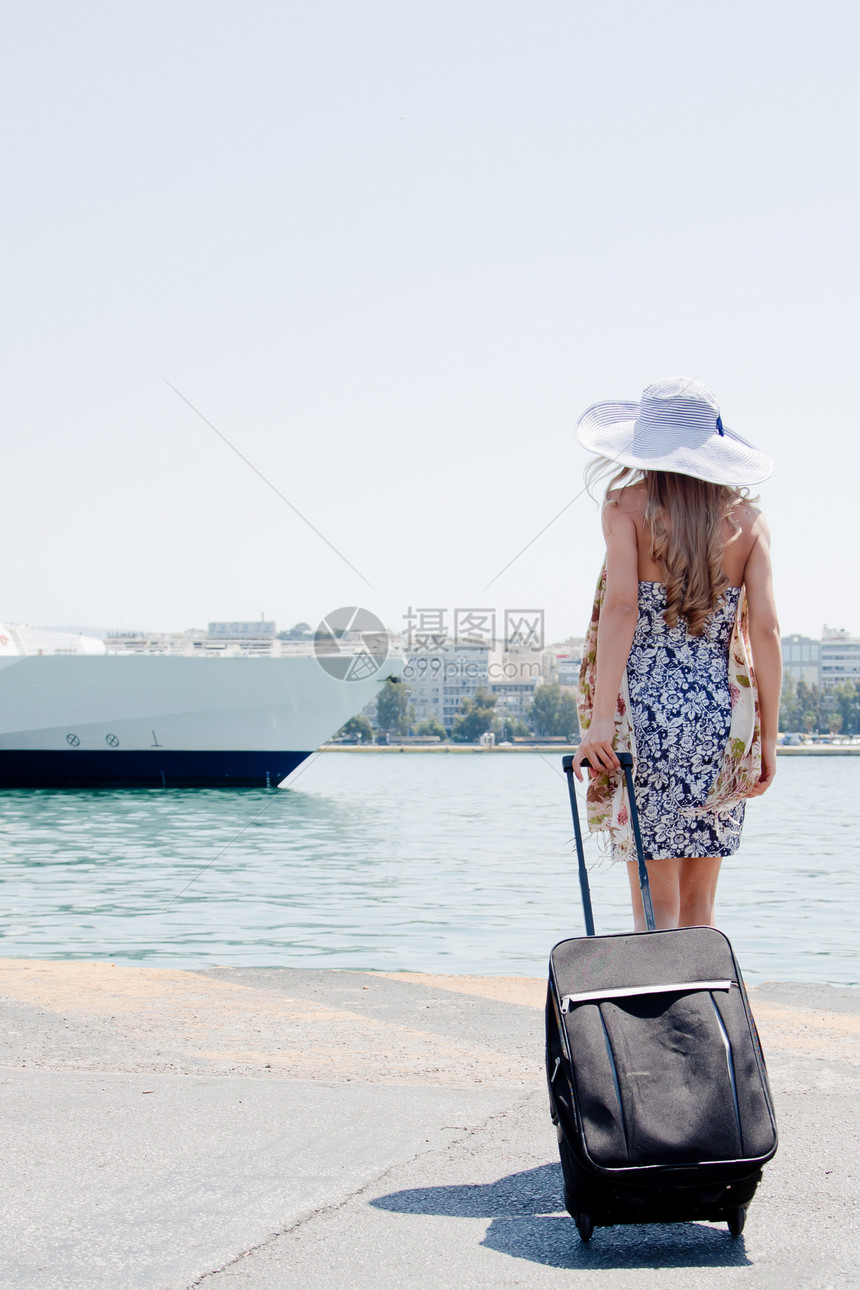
[[686, 518]]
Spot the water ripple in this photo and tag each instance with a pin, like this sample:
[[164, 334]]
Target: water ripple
[[419, 862]]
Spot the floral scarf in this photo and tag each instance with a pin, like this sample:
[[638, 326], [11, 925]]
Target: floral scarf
[[740, 768]]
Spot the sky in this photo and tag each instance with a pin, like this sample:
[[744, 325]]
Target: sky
[[389, 251]]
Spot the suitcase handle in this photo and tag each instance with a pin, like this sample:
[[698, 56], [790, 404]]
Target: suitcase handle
[[626, 760]]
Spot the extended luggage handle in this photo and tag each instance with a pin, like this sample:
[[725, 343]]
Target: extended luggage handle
[[626, 760]]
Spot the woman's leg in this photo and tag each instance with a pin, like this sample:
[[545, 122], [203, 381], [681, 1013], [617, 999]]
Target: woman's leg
[[665, 884], [698, 887], [683, 892]]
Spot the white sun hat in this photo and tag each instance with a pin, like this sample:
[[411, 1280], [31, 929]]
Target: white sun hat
[[676, 426]]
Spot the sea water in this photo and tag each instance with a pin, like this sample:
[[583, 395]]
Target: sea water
[[420, 861]]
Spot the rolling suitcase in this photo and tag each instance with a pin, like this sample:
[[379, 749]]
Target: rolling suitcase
[[657, 1081]]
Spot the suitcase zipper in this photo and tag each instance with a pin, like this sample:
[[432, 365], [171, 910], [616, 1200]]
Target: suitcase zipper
[[626, 992]]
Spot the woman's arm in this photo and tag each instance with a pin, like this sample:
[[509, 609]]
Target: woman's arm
[[766, 648], [618, 618]]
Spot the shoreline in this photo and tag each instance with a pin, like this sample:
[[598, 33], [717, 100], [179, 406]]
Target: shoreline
[[788, 750]]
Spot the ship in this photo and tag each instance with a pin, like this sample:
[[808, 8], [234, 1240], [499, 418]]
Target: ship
[[187, 711]]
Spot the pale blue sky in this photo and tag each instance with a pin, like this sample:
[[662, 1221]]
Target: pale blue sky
[[392, 250]]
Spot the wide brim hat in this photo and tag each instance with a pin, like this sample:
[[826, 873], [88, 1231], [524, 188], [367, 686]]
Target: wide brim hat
[[676, 426]]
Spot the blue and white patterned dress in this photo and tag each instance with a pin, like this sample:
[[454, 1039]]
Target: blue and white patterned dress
[[681, 712]]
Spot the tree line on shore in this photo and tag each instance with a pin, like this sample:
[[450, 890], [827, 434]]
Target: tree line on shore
[[818, 710], [804, 708], [552, 712]]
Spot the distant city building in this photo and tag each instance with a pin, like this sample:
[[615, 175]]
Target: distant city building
[[567, 672], [825, 662], [840, 657], [424, 677], [567, 669], [801, 659], [465, 671], [439, 682], [256, 631], [513, 676], [197, 642], [561, 662]]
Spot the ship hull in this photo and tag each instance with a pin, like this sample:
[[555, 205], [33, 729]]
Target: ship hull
[[146, 768], [68, 721]]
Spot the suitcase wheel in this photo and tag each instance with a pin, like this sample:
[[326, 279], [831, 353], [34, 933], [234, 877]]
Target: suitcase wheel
[[736, 1220], [585, 1225]]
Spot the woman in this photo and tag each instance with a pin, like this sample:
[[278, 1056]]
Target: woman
[[687, 572]]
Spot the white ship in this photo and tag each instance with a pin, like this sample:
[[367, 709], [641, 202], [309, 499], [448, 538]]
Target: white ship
[[169, 711]]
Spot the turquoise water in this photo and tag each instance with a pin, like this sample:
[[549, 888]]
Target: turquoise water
[[420, 861]]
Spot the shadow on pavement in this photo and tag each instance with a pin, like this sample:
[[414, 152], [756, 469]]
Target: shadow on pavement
[[526, 1224], [554, 1241], [534, 1191]]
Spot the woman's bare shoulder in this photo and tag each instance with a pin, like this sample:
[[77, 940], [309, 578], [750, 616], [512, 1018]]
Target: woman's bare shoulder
[[621, 518], [749, 517], [630, 500]]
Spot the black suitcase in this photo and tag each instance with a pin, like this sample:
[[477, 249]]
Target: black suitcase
[[657, 1081]]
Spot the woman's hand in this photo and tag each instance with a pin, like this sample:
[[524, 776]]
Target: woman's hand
[[597, 748], [768, 768]]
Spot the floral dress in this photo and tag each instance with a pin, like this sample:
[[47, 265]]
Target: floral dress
[[697, 717], [681, 712]]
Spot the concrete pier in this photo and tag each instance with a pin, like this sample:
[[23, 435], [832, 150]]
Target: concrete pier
[[268, 1129]]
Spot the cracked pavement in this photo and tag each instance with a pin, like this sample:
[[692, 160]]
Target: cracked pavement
[[254, 1129]]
